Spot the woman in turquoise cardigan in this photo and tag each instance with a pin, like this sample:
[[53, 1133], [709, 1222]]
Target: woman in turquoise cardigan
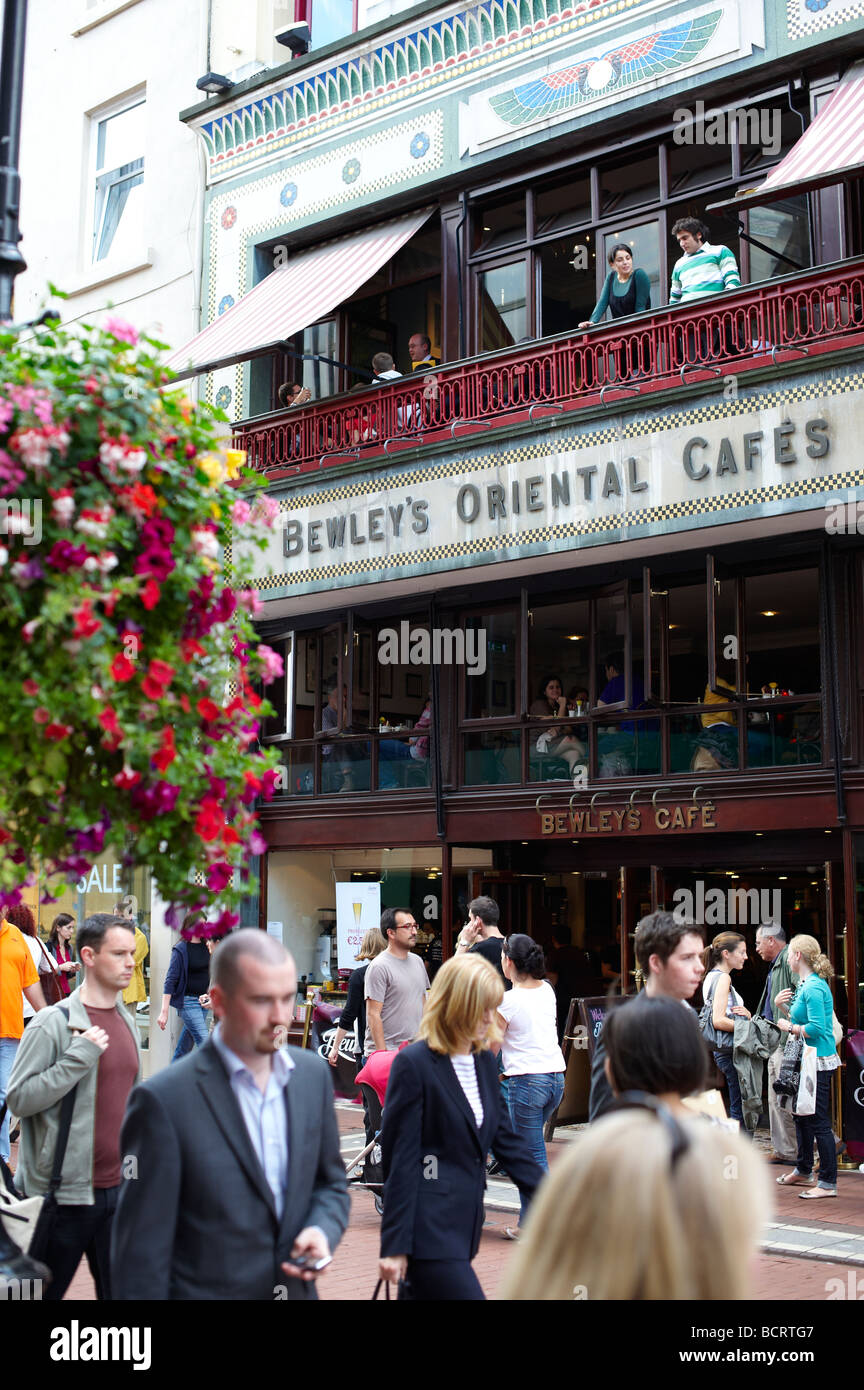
[[811, 1018], [626, 291]]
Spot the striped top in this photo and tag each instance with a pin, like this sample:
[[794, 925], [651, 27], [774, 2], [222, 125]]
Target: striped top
[[466, 1075], [710, 270]]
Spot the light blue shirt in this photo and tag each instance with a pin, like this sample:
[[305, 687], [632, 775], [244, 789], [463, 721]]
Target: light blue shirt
[[263, 1113]]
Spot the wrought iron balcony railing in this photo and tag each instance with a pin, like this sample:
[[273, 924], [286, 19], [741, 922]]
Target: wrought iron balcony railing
[[770, 323]]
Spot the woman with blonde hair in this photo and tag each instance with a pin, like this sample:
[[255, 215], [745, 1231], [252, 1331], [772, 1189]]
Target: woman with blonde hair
[[353, 1015], [811, 1019], [443, 1112], [727, 952], [640, 1209]]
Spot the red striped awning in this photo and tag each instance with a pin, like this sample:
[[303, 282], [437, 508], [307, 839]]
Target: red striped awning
[[830, 150], [296, 295]]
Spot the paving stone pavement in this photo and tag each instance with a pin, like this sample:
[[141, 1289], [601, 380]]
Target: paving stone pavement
[[788, 1268]]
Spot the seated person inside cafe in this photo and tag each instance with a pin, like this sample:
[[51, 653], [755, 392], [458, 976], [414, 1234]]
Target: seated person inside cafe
[[616, 743], [338, 760], [559, 741]]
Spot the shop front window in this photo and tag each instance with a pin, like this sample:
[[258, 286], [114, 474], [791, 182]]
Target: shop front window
[[491, 680]]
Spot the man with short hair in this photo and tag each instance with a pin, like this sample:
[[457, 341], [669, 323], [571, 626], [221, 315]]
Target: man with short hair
[[420, 351], [87, 1044], [771, 946], [19, 980], [395, 985], [703, 269], [669, 955], [384, 368], [481, 935], [236, 1187]]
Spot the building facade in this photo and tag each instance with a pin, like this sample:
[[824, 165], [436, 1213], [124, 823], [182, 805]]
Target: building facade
[[658, 512]]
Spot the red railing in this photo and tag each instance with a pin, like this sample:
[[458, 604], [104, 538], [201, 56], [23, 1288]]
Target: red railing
[[802, 314]]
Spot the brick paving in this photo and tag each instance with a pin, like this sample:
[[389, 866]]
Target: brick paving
[[776, 1278]]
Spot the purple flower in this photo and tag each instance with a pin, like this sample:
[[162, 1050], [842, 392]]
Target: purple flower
[[156, 800], [256, 844], [219, 876], [92, 840]]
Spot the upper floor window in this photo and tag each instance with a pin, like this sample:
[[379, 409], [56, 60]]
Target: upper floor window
[[118, 137]]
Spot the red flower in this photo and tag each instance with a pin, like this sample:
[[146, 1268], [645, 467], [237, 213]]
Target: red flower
[[58, 731], [30, 687], [210, 821], [41, 715], [85, 623], [157, 680], [127, 779], [208, 709], [150, 595], [110, 602], [219, 876], [108, 720], [189, 647], [122, 668], [167, 752]]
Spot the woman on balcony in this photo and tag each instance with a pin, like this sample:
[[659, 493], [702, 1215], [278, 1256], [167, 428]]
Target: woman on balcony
[[626, 290]]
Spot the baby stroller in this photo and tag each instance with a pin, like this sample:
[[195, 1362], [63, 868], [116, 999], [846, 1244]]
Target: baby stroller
[[372, 1080]]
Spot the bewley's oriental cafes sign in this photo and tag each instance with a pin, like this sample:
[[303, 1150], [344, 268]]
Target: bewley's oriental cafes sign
[[607, 821], [571, 489]]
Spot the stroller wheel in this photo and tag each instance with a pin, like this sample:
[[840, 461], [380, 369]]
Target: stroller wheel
[[379, 1204]]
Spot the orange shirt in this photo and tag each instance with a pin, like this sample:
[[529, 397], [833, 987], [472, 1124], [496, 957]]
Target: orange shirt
[[17, 972]]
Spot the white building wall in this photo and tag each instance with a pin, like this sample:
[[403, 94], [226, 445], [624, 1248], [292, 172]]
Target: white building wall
[[72, 71]]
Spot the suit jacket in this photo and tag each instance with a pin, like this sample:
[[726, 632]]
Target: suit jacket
[[195, 1217], [434, 1156]]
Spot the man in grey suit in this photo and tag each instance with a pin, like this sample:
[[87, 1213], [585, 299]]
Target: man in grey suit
[[234, 1185]]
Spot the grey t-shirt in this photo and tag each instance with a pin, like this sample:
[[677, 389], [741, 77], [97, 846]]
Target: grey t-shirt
[[399, 986]]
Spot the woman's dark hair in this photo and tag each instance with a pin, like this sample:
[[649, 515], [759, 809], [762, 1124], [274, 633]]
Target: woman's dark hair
[[21, 917], [654, 1045], [614, 252], [526, 955], [726, 941], [63, 919], [543, 684]]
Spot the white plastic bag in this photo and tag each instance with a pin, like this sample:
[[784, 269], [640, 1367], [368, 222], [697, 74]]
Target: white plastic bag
[[805, 1103]]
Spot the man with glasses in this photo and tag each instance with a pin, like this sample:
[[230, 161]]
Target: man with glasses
[[395, 985]]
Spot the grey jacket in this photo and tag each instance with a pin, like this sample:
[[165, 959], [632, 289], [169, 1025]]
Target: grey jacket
[[51, 1058], [754, 1040]]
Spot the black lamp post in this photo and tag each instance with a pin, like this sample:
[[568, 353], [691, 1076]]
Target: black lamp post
[[11, 91]]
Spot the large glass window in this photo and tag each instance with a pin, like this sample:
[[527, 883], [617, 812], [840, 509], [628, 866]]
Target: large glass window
[[566, 203], [494, 692], [500, 223], [503, 306], [629, 184], [783, 230], [568, 278]]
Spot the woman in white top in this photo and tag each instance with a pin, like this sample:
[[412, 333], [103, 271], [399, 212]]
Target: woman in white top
[[531, 1059], [727, 952]]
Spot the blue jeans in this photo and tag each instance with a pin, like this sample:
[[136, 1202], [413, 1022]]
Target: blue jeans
[[818, 1127], [194, 1029], [8, 1048], [727, 1066], [531, 1100]]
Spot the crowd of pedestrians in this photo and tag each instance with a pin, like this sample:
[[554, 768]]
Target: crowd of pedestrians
[[221, 1176]]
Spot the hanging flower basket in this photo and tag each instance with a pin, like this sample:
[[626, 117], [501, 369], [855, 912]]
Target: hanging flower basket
[[128, 656]]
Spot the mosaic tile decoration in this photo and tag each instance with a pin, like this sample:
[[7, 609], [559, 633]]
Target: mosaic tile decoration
[[813, 16], [440, 52], [626, 65]]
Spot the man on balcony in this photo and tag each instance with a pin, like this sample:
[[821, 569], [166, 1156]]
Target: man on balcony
[[703, 269]]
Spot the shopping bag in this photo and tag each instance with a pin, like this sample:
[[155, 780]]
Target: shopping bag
[[805, 1103]]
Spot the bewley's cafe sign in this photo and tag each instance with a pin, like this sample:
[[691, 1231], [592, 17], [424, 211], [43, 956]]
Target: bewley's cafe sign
[[483, 507], [632, 819]]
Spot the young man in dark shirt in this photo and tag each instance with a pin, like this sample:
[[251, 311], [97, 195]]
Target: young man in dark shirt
[[88, 1042], [481, 936]]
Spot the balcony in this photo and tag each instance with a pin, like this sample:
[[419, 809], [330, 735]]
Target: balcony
[[760, 326]]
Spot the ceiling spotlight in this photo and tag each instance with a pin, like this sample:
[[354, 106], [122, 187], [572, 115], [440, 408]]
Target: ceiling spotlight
[[769, 613], [213, 83], [576, 637]]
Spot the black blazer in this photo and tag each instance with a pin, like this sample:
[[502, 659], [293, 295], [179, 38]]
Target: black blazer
[[435, 1156], [195, 1217]]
